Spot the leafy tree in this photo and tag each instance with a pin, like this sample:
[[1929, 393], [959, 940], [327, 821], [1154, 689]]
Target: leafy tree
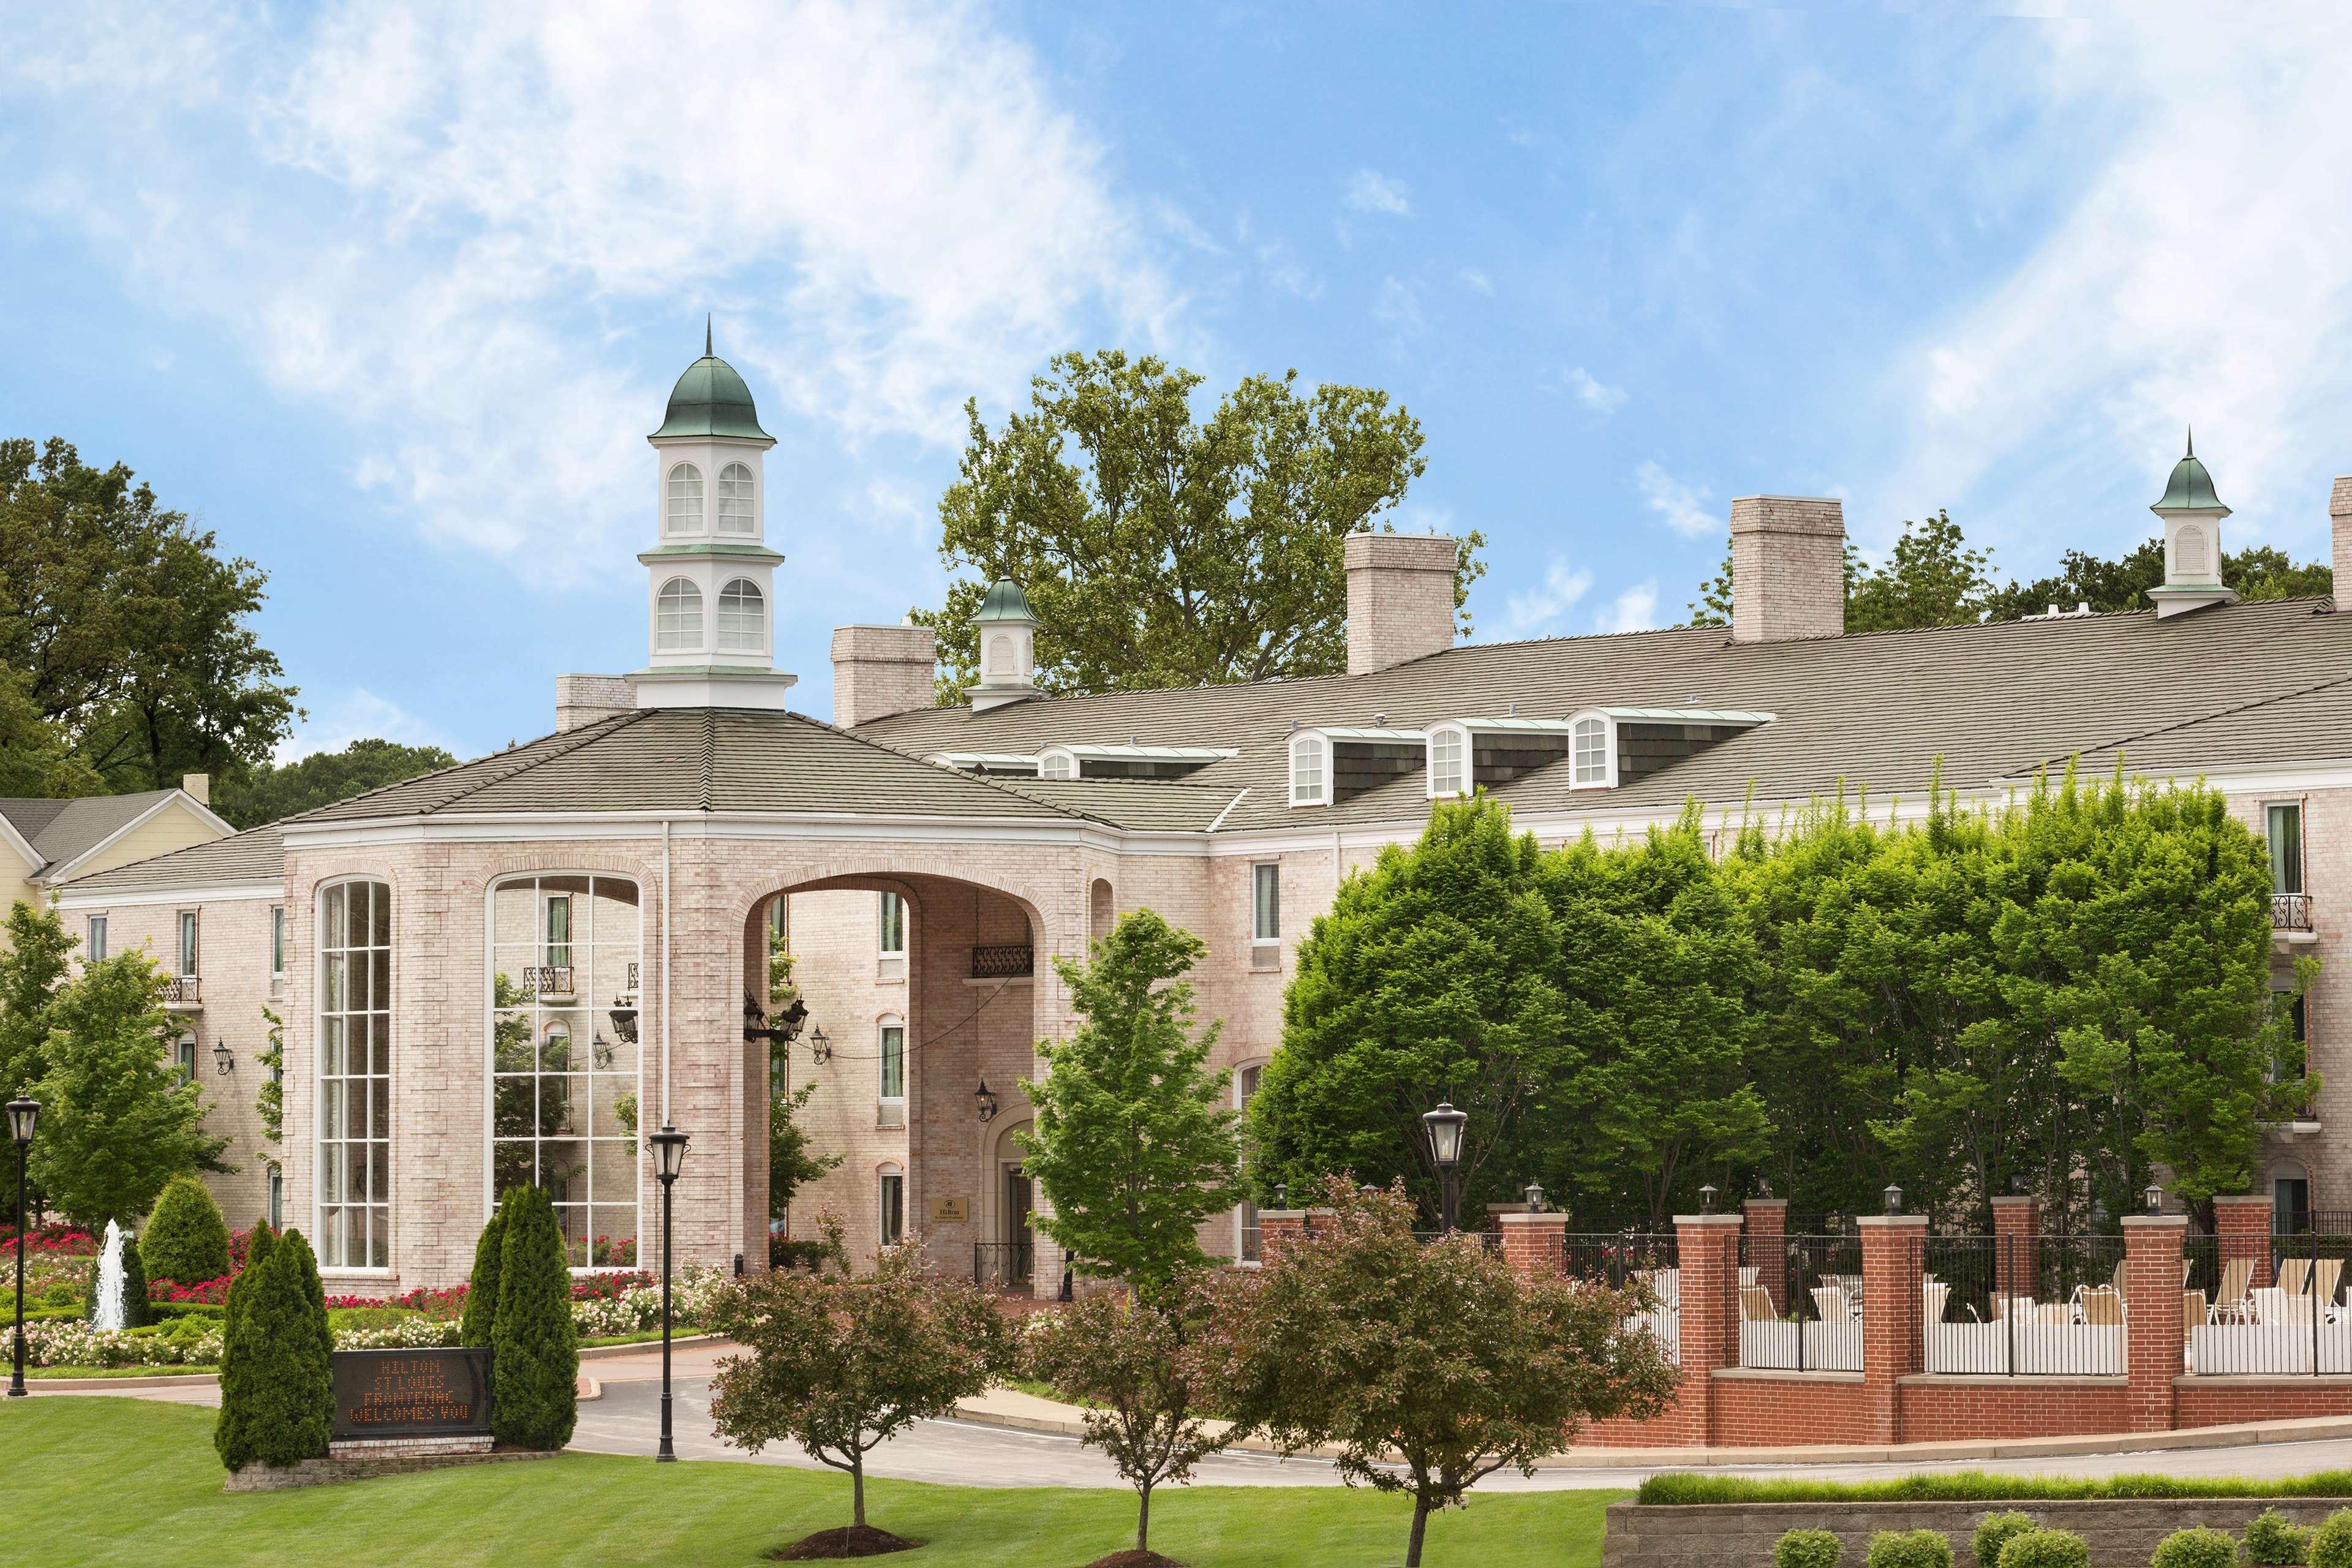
[[35, 956], [266, 792], [36, 757], [184, 1240], [1437, 1353], [790, 1163], [280, 1408], [1134, 1366], [838, 1364], [2261, 572], [1162, 551], [118, 1122], [132, 633], [477, 1324], [1930, 579], [534, 1347], [1132, 1144], [270, 1099]]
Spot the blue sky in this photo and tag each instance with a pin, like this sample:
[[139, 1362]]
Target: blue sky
[[388, 296]]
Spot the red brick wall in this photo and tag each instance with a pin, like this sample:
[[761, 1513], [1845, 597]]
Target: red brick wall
[[2226, 1401], [1951, 1409], [1773, 1412]]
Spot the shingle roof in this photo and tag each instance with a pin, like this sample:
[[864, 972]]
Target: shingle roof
[[242, 859], [59, 830]]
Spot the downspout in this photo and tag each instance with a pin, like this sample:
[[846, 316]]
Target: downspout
[[668, 1032]]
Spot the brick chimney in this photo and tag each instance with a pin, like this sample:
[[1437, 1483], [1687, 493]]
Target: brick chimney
[[881, 670], [1400, 597], [1788, 568], [585, 698], [2339, 515], [198, 787]]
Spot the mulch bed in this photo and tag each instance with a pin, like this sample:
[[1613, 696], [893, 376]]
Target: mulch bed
[[1132, 1558], [849, 1541]]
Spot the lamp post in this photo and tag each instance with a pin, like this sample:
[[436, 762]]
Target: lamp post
[[22, 1114], [1445, 1125], [669, 1155]]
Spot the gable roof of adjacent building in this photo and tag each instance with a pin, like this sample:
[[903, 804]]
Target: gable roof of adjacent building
[[61, 832]]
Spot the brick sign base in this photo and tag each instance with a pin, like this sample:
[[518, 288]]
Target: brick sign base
[[365, 1464]]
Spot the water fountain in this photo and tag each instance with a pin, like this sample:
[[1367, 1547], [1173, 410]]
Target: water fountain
[[109, 1313]]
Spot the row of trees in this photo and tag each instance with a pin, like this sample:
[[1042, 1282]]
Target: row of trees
[[2068, 991]]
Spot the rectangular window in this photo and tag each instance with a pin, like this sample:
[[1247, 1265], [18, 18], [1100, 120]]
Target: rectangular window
[[354, 1186], [2290, 1205], [2285, 825], [894, 1062], [187, 942], [94, 950], [1252, 1250], [276, 1201], [1265, 902], [278, 942], [558, 930], [894, 925], [187, 1055], [2294, 1059], [893, 1209]]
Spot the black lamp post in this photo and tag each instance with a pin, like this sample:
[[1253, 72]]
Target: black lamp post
[[1445, 1125], [669, 1155], [22, 1114]]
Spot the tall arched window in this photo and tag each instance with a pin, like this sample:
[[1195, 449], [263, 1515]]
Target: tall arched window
[[354, 1115], [735, 512], [678, 617], [1309, 781], [1589, 748], [1445, 772], [743, 617], [684, 513]]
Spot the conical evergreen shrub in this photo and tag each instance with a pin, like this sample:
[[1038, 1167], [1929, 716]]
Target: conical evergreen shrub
[[482, 1288], [534, 1351], [281, 1407], [184, 1240], [256, 1247]]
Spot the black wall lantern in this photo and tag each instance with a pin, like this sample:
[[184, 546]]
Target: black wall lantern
[[984, 1101], [222, 1061]]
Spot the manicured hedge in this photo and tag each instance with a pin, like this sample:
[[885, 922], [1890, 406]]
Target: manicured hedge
[[2331, 1543], [184, 1240], [2196, 1549], [1975, 1485], [2273, 1539], [2046, 1549], [1806, 1549], [1909, 1549], [534, 1348], [1993, 1532]]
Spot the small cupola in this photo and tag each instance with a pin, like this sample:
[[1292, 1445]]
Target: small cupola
[[1005, 633], [2192, 518]]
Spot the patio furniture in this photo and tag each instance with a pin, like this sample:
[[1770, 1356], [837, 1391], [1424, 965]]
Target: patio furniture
[[2192, 1311], [1831, 1303], [2294, 1275], [1756, 1305], [2103, 1308], [2270, 1304], [2053, 1312], [2330, 1275], [2230, 1302], [1932, 1299]]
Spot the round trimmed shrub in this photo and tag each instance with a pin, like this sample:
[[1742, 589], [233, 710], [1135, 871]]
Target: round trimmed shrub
[[481, 1308], [1996, 1530], [1909, 1549], [2195, 1549], [184, 1240], [2331, 1543], [2049, 1549], [1806, 1549], [534, 1349], [279, 1406], [2271, 1538]]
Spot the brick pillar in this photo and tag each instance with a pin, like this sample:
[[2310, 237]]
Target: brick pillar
[[1280, 1228], [1531, 1243], [2241, 1228], [2152, 1339], [1707, 1245], [1891, 1250], [2017, 1247], [1766, 1231]]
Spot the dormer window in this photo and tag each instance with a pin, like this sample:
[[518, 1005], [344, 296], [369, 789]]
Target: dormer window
[[684, 512], [735, 513], [1058, 765], [1589, 753], [1448, 755], [678, 617], [743, 617], [1310, 770]]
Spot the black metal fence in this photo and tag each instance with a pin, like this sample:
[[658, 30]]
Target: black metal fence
[[2267, 1306], [2022, 1306], [1002, 1263], [1800, 1302], [1649, 1261]]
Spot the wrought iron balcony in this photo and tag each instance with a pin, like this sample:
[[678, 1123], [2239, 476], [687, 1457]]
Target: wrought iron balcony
[[2290, 911], [183, 991], [1007, 961]]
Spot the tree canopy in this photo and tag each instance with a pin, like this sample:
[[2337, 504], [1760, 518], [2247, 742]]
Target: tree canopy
[[268, 792], [1162, 550]]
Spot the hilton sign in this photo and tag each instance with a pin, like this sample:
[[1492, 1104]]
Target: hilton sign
[[412, 1393]]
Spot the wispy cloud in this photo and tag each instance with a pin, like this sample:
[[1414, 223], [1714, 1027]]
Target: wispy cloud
[[355, 714], [1680, 507], [1397, 308], [1634, 610], [1369, 191], [1542, 605], [1477, 282], [1592, 394]]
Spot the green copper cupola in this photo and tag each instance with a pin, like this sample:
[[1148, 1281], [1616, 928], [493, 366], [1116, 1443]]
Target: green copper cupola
[[1007, 634], [2192, 515], [711, 399]]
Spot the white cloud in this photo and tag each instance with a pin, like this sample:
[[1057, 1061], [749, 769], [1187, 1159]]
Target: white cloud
[[424, 218], [1544, 604], [1397, 307], [1680, 506], [1634, 610], [357, 714], [1369, 191], [1589, 391], [1476, 281]]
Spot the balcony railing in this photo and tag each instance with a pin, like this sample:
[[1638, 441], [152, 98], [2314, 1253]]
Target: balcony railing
[[2290, 911], [1002, 1263], [1003, 963], [183, 991]]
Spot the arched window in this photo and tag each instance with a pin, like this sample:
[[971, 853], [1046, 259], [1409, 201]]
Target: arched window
[[1001, 657], [743, 617], [1058, 765], [1310, 777], [1589, 746], [678, 617], [353, 1191], [684, 513], [1445, 771], [2188, 553], [735, 513]]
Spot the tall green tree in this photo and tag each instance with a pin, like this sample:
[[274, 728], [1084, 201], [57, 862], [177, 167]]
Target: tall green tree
[[117, 1121], [2112, 586], [480, 1316], [1132, 1141], [279, 1408], [266, 792], [1931, 578], [131, 632], [1159, 549], [37, 759], [534, 1345], [35, 956]]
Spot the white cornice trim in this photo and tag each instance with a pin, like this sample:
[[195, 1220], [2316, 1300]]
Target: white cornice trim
[[132, 897]]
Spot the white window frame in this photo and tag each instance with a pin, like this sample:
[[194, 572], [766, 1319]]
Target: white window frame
[[93, 946], [675, 495], [1608, 779], [1318, 744], [1259, 935], [191, 936], [887, 1022], [732, 640], [748, 510], [888, 929], [686, 636], [2302, 844], [184, 1055], [277, 945], [1245, 1212], [1460, 735], [372, 1201], [883, 1194], [1056, 762]]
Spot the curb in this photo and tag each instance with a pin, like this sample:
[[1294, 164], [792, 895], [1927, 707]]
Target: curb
[[642, 1347], [108, 1385]]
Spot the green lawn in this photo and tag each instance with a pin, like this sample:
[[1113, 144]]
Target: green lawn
[[96, 1481]]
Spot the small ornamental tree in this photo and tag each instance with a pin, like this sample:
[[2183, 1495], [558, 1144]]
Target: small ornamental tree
[[1429, 1365], [839, 1365], [233, 1311], [481, 1309], [1133, 1144], [280, 1408], [535, 1348], [1135, 1367], [185, 1240]]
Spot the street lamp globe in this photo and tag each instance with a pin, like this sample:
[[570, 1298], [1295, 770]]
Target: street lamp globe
[[22, 1114], [669, 1153], [1445, 1125]]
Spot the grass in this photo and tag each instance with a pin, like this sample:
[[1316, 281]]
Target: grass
[[60, 1458], [1975, 1486]]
